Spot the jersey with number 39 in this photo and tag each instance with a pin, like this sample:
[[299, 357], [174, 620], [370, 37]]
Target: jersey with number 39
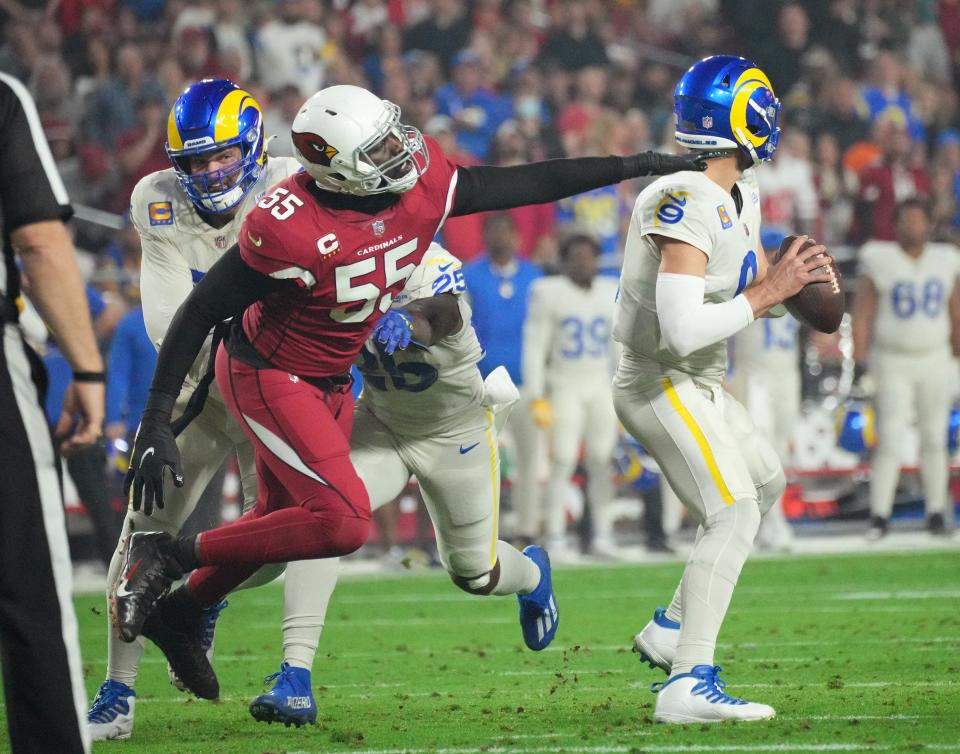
[[691, 208], [348, 265], [913, 295], [424, 392]]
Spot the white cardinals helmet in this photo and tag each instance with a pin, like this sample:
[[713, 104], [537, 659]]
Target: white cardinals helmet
[[338, 130]]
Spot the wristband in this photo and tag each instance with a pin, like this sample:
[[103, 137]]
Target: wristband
[[89, 377]]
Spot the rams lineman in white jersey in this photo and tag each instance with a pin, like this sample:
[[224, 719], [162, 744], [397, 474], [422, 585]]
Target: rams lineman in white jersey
[[906, 315], [425, 411], [765, 377], [694, 274], [568, 359], [187, 216]]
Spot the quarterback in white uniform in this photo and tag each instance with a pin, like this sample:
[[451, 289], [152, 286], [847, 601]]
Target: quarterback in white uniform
[[567, 364], [905, 318], [187, 216], [694, 274], [765, 378]]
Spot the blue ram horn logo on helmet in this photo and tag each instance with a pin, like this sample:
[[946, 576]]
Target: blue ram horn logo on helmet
[[727, 102], [211, 118]]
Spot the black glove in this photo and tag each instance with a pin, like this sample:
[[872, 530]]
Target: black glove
[[154, 451], [655, 163]]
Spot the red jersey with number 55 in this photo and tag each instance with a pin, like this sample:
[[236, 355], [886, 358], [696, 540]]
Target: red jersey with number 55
[[348, 264]]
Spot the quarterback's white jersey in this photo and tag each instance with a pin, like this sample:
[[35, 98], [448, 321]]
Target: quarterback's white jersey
[[691, 208], [178, 246], [913, 295], [420, 392], [567, 334]]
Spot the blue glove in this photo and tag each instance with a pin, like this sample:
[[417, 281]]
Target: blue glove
[[394, 330]]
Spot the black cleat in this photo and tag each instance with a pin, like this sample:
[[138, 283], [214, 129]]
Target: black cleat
[[936, 525], [146, 575], [176, 625], [878, 529]]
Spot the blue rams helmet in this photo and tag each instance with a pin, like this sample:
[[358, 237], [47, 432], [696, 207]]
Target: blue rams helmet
[[211, 115], [856, 427], [726, 102]]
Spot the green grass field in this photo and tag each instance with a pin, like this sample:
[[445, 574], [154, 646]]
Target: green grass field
[[857, 653]]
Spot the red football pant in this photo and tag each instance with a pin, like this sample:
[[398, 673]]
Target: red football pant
[[310, 501]]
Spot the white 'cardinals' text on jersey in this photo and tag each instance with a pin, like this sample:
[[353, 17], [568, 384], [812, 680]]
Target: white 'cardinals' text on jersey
[[419, 392], [913, 295], [567, 336], [178, 246], [691, 208]]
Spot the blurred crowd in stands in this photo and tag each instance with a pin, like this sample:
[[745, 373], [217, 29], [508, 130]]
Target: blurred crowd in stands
[[869, 88]]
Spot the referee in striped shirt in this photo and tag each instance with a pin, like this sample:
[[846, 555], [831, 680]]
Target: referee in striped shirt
[[42, 674]]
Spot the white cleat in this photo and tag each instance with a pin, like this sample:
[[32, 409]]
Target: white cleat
[[111, 714], [657, 642], [698, 697], [606, 548]]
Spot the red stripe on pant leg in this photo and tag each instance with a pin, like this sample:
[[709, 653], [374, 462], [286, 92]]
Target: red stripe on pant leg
[[284, 535]]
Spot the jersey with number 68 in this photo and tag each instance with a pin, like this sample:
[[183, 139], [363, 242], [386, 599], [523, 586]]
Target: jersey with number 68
[[913, 294], [691, 208], [348, 264], [423, 392]]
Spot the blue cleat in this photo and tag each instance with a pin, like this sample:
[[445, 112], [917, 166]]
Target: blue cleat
[[111, 714], [208, 627], [290, 701], [539, 616]]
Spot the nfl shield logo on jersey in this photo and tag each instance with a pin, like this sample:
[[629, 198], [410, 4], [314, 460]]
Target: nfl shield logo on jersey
[[220, 242], [379, 227]]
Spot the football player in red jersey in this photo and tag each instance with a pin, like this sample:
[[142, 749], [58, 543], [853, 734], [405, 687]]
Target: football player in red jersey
[[316, 267]]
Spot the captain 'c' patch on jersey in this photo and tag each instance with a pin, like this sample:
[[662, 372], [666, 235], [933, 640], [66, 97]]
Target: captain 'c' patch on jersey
[[160, 213], [725, 220]]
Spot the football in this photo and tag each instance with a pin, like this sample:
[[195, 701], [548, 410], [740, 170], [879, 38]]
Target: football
[[819, 304]]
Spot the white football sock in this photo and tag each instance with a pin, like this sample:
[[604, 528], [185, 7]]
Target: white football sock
[[600, 494], [518, 574], [307, 587], [123, 659], [709, 579], [934, 467], [675, 609], [883, 481]]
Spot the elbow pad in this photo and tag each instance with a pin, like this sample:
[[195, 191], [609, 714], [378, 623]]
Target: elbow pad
[[687, 324]]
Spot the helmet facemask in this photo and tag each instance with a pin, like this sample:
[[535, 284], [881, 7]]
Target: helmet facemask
[[378, 179], [217, 190]]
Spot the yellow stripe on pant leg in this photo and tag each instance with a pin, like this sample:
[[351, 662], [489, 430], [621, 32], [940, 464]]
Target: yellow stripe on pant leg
[[492, 442], [699, 438]]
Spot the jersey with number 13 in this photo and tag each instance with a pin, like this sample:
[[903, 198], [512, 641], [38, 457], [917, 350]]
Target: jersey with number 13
[[691, 208], [349, 266]]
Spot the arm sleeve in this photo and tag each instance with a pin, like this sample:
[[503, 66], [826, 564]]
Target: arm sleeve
[[537, 336], [165, 282], [30, 186], [226, 290], [687, 324], [485, 188], [118, 375]]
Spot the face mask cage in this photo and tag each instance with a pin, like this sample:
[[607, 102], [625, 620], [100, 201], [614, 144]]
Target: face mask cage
[[412, 148], [217, 190]]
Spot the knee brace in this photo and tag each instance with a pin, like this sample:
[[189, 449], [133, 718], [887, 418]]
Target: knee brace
[[480, 585]]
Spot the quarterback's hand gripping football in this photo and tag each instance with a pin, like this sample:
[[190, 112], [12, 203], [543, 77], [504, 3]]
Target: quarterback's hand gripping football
[[394, 330], [656, 163], [154, 452]]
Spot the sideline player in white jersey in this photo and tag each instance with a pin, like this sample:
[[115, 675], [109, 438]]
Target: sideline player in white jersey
[[426, 411], [906, 315], [694, 274], [187, 216], [568, 359], [766, 379]]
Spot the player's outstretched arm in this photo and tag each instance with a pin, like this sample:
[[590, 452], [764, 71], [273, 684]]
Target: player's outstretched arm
[[226, 290], [483, 188]]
